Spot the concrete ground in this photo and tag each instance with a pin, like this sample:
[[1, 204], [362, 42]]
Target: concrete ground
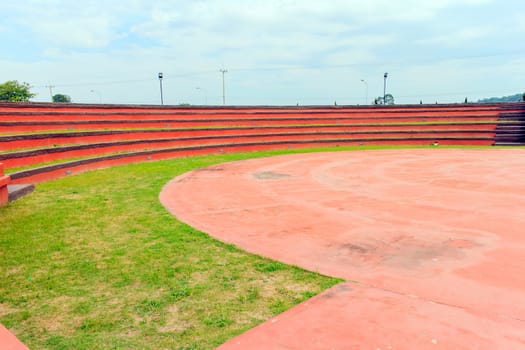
[[430, 242], [9, 342]]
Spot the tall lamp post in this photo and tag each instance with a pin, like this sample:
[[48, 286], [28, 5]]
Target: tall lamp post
[[384, 89], [366, 95], [223, 90], [160, 82]]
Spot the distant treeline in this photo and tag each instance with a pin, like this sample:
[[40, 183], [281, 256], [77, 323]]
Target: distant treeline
[[512, 98]]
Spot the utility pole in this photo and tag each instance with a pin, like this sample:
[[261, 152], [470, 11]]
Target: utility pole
[[161, 96], [50, 87], [223, 90], [384, 89]]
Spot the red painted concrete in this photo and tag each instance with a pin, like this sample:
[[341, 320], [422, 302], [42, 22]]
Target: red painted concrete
[[23, 158], [52, 139], [8, 341], [14, 127], [79, 108], [433, 237], [4, 181], [152, 115]]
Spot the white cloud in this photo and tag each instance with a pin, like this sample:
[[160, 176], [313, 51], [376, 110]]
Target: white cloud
[[89, 32], [275, 50], [461, 36], [64, 24], [519, 22]]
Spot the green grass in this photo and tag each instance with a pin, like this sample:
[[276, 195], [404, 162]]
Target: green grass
[[94, 261]]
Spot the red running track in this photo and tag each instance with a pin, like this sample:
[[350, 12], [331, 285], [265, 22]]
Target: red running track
[[429, 241]]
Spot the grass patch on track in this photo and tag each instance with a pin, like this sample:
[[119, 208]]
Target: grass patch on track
[[94, 261]]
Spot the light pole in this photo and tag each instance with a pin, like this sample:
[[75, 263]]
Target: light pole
[[160, 81], [384, 89], [366, 95], [205, 94], [99, 95], [223, 90]]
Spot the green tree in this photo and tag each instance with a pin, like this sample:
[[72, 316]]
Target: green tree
[[12, 90], [61, 98], [388, 99]]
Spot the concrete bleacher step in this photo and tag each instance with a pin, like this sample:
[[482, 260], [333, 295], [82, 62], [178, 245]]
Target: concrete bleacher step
[[204, 130], [510, 130], [62, 116], [33, 126], [512, 116], [108, 108], [27, 157], [29, 140], [45, 173], [510, 139], [20, 190], [509, 144]]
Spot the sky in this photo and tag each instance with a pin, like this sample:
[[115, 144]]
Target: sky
[[276, 52]]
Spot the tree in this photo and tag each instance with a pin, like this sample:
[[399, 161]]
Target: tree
[[512, 98], [387, 100], [14, 91], [61, 98]]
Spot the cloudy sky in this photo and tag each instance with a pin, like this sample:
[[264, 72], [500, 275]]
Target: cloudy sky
[[277, 52]]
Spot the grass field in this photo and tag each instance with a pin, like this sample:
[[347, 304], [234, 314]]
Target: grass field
[[93, 261]]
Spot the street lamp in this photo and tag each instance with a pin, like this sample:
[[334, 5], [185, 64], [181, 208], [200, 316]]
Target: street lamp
[[384, 89], [205, 94], [99, 95], [160, 81], [223, 93], [366, 96]]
